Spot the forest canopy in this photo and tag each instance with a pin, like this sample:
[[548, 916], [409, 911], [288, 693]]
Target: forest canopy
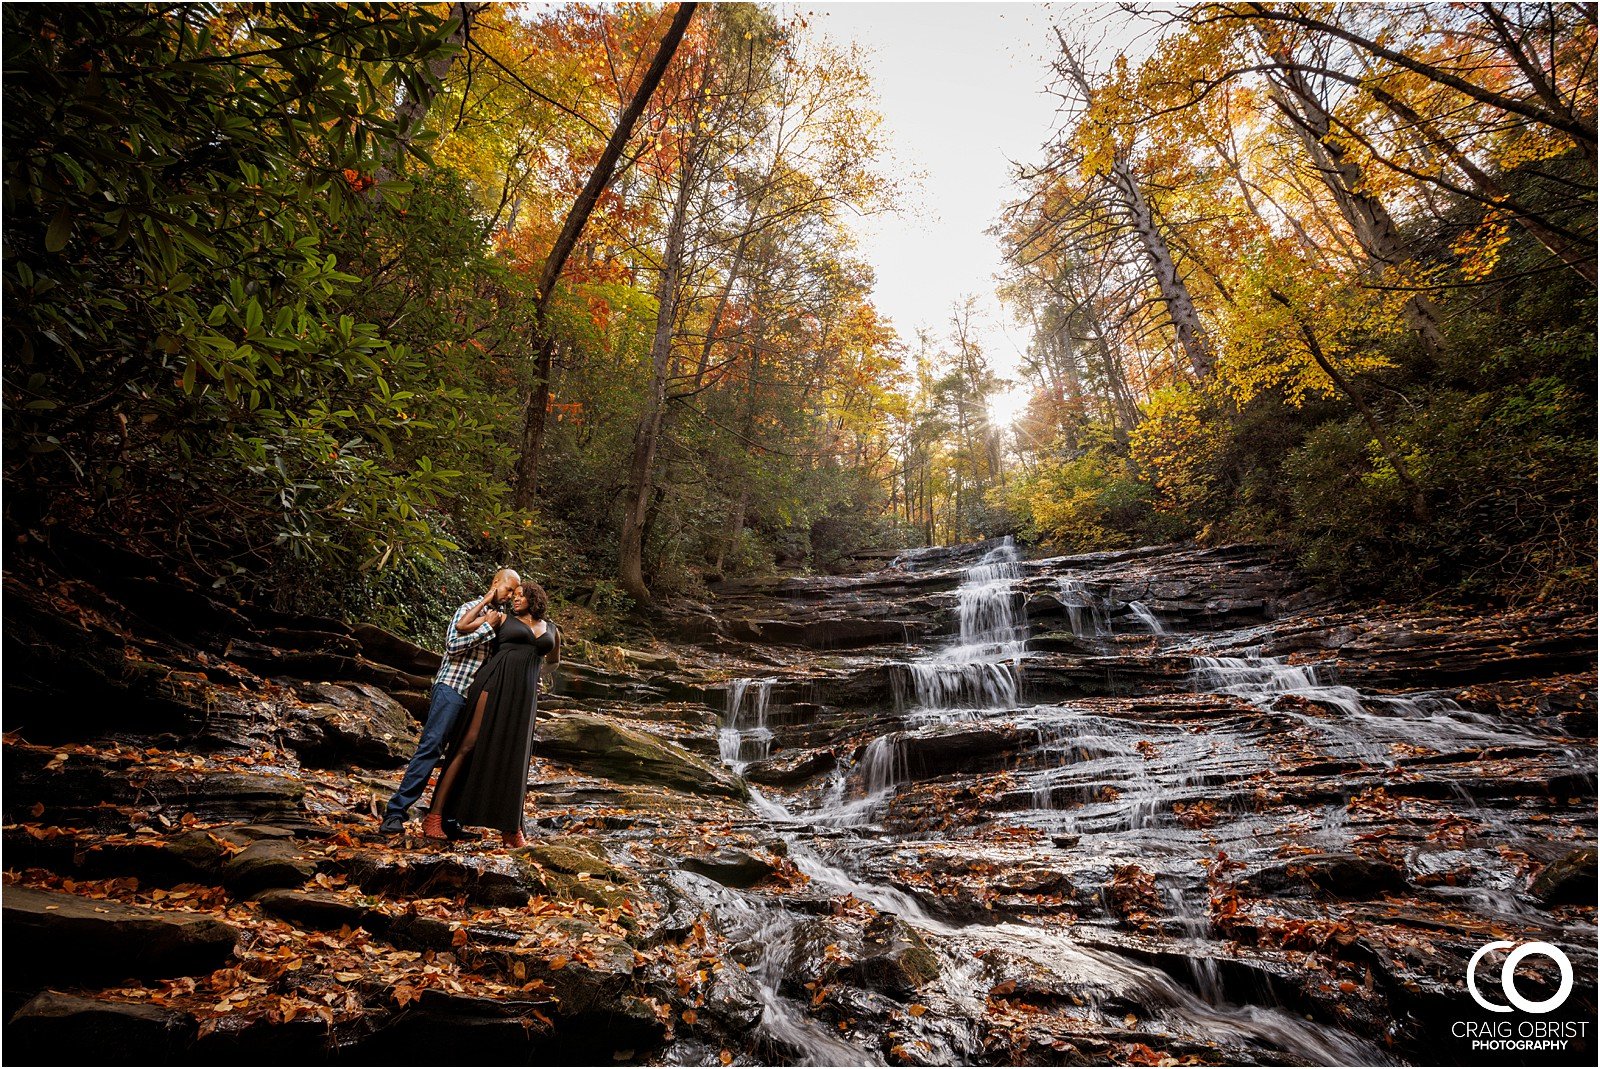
[[300, 298]]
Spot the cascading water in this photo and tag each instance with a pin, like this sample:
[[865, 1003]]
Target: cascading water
[[978, 673], [982, 668], [1367, 726], [1146, 616], [745, 737], [1077, 599]]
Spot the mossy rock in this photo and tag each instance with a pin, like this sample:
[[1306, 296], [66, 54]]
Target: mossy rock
[[577, 870], [601, 747]]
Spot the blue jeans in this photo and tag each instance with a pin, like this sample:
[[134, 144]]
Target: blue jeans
[[443, 708]]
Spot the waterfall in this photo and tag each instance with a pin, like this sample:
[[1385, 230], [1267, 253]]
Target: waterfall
[[1368, 723], [1148, 618], [745, 737], [1140, 786], [1075, 597], [881, 765], [982, 668]]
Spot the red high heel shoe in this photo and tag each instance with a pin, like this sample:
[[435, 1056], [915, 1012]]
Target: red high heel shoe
[[433, 827], [513, 840]]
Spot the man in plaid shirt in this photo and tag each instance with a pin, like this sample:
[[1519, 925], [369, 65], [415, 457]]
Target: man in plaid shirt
[[463, 656]]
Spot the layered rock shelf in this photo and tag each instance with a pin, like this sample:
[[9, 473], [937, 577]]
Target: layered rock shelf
[[973, 805]]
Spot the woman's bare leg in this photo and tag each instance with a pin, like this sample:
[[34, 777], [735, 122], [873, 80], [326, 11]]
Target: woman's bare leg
[[452, 767]]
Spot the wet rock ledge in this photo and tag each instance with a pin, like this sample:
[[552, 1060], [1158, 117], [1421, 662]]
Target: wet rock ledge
[[1123, 867]]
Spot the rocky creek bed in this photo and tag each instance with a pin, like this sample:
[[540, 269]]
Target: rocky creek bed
[[1164, 806]]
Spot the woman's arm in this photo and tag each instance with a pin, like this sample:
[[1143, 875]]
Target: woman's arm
[[554, 656]]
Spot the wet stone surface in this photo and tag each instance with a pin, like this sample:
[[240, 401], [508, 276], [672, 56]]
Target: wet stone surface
[[1159, 806]]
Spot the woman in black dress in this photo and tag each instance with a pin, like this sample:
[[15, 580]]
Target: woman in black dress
[[485, 776]]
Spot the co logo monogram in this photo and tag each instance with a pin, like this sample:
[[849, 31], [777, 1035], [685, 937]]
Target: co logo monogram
[[1508, 977]]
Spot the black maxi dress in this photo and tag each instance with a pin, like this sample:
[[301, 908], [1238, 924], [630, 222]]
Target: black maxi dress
[[489, 788]]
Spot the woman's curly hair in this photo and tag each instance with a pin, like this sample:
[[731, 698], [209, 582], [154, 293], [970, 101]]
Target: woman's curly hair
[[538, 605], [538, 600]]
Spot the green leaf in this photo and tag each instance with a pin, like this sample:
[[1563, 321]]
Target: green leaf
[[55, 238]]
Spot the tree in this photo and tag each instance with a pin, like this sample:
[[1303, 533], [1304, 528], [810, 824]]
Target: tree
[[539, 396]]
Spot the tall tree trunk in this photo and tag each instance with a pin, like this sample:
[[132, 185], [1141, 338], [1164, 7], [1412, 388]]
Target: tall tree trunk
[[736, 527], [1369, 219], [1174, 291], [1124, 412], [648, 432], [537, 400]]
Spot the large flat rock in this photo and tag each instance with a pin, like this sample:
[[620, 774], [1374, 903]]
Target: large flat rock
[[57, 1029], [52, 937], [602, 747]]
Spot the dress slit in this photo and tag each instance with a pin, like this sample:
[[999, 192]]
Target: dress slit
[[462, 758]]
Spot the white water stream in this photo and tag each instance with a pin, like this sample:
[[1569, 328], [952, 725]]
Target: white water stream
[[978, 674]]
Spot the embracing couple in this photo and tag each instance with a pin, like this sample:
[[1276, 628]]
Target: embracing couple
[[480, 715]]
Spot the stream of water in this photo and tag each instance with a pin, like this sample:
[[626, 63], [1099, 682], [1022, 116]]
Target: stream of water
[[979, 674]]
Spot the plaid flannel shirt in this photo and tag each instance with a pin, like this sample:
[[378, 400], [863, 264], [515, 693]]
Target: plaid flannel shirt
[[464, 654]]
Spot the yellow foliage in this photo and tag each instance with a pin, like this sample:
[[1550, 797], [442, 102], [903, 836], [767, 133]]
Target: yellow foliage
[[1174, 447]]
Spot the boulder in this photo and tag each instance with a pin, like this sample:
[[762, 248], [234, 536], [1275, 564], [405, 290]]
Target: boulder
[[264, 864], [57, 1029], [440, 1027], [194, 855], [884, 955], [349, 724], [385, 647], [601, 747], [1338, 875], [732, 867], [52, 936], [1568, 881], [790, 771], [74, 792], [321, 910], [492, 879], [574, 868]]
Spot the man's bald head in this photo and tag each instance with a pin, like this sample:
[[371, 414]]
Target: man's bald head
[[505, 581]]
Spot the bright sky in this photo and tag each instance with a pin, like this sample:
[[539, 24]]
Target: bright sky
[[961, 89]]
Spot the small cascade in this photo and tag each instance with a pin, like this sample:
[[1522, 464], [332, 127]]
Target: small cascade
[[1352, 724], [1077, 600], [1090, 616], [1146, 616], [982, 669], [764, 936], [944, 691], [881, 765], [1110, 777], [1175, 1008], [1262, 680], [745, 737], [1194, 921]]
